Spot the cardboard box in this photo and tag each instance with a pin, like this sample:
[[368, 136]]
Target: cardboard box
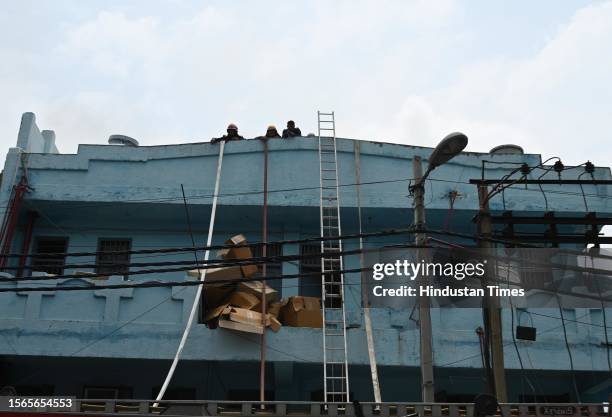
[[241, 252], [236, 240], [216, 295], [302, 312], [274, 309], [242, 315], [242, 327], [273, 323], [242, 299], [218, 274], [216, 312], [240, 319], [256, 288]]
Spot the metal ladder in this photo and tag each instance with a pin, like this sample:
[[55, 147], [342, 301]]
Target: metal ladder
[[335, 369]]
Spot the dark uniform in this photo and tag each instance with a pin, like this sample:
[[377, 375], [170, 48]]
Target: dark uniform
[[232, 134], [291, 130]]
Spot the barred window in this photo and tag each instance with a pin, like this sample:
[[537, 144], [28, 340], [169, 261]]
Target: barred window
[[273, 269], [49, 255], [310, 285], [112, 263]]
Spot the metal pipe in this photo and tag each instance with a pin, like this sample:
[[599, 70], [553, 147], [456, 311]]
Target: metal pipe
[[27, 238], [367, 320], [196, 301], [13, 217], [264, 251]]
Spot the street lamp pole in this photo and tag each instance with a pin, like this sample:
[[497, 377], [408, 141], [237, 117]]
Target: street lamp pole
[[427, 376], [447, 149]]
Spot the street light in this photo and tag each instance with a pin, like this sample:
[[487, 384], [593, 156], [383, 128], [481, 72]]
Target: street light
[[447, 149]]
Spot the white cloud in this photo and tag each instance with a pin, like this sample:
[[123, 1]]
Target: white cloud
[[555, 102], [391, 70]]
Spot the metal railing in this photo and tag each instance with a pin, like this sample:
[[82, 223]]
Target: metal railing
[[318, 409]]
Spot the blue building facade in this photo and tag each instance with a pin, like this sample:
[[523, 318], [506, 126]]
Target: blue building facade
[[120, 342]]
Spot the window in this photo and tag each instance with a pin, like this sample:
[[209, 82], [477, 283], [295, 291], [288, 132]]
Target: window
[[310, 285], [112, 263], [273, 269], [49, 255]]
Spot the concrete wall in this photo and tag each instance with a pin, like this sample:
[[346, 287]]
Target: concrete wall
[[116, 191]]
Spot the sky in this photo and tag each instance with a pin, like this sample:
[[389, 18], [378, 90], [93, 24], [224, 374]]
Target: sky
[[537, 74]]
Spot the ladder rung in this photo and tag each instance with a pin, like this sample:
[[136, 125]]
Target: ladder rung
[[334, 334], [335, 363], [336, 377]]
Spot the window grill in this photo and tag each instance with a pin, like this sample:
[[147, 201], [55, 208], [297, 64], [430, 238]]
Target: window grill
[[310, 285], [112, 263], [49, 255], [273, 269]]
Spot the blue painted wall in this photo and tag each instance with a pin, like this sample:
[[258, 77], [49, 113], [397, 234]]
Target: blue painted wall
[[116, 191]]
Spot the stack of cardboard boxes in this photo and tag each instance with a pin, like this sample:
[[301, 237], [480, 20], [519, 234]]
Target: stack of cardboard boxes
[[237, 306]]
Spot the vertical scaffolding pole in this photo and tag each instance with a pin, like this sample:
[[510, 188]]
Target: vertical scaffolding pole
[[364, 291]]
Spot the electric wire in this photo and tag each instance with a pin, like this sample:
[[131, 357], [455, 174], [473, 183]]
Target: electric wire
[[381, 233], [236, 194]]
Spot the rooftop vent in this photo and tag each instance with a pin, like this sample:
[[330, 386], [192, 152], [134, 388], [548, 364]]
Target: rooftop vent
[[507, 149], [122, 140]]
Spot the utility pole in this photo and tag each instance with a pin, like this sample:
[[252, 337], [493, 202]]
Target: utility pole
[[418, 202], [447, 149], [493, 324]]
